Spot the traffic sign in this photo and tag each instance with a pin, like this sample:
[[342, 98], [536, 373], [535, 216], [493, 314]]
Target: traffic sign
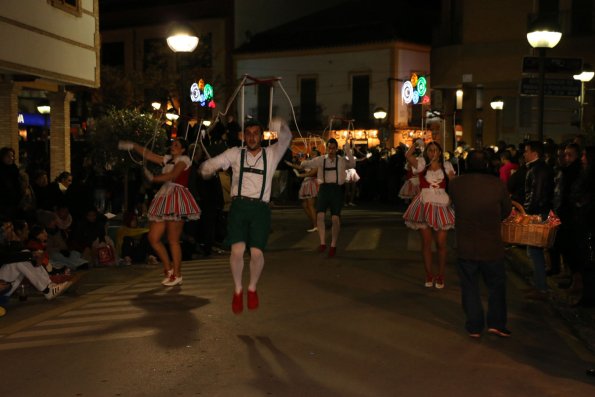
[[551, 87], [553, 65]]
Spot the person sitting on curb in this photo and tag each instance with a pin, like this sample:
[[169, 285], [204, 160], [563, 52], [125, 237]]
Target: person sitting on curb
[[17, 264]]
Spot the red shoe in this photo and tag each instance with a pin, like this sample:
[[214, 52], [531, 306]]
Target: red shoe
[[237, 303], [332, 251], [322, 248], [252, 300]]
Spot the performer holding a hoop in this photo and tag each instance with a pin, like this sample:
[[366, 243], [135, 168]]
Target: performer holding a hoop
[[249, 221], [172, 205]]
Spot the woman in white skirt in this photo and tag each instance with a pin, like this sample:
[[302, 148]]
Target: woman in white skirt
[[430, 211], [410, 187], [172, 205], [307, 193]]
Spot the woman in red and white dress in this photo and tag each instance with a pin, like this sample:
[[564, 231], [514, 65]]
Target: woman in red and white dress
[[172, 205], [308, 192], [430, 211]]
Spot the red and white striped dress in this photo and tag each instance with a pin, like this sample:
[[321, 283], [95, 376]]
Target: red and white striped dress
[[308, 188], [174, 202], [431, 207]]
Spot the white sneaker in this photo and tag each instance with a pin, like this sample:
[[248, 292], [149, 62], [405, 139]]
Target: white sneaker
[[314, 229], [57, 289], [152, 260], [173, 281], [168, 276]]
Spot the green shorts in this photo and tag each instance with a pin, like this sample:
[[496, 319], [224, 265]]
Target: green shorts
[[248, 222], [330, 195]]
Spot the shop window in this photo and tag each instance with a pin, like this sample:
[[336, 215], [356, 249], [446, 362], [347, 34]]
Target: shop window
[[73, 7]]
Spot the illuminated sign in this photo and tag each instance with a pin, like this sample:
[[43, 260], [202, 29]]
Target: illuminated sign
[[33, 120], [202, 93], [414, 90]]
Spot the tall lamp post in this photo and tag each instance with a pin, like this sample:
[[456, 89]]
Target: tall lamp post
[[380, 114], [497, 104], [543, 34], [181, 39], [585, 76]]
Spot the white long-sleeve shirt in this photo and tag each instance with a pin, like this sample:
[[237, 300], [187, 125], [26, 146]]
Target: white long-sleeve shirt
[[332, 175], [251, 182]]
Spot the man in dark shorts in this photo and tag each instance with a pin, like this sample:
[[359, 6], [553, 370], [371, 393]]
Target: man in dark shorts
[[249, 220], [331, 177]]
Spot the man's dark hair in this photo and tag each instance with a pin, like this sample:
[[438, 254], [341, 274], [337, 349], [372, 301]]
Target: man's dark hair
[[253, 123], [332, 140], [477, 161], [575, 147], [535, 146]]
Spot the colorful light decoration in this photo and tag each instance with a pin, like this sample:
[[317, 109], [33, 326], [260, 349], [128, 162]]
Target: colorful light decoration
[[414, 90], [202, 93]]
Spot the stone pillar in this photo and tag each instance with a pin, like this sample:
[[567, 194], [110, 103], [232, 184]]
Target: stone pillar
[[9, 110], [59, 132]]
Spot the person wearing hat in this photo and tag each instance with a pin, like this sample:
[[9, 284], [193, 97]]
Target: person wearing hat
[[249, 220]]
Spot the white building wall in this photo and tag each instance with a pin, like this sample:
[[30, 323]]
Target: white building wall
[[49, 42], [333, 71]]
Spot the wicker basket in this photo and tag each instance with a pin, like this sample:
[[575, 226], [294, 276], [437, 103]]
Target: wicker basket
[[525, 233]]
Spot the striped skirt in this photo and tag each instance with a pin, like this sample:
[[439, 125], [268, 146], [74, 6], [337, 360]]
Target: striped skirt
[[420, 215], [173, 202], [308, 189]]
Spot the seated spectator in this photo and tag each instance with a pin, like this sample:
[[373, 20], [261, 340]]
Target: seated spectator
[[86, 231], [59, 253], [18, 264], [132, 243]]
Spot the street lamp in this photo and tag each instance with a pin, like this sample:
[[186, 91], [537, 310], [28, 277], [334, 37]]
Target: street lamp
[[380, 114], [543, 34], [44, 109], [585, 76], [497, 104], [181, 39]]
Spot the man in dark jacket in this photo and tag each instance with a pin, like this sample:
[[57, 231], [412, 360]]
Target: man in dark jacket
[[539, 190], [480, 250]]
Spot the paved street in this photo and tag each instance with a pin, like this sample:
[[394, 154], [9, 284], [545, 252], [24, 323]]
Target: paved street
[[360, 324]]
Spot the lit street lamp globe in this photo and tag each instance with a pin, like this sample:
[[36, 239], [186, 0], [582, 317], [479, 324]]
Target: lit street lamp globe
[[379, 113], [181, 38]]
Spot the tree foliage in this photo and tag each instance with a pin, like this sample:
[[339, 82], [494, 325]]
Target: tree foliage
[[129, 125]]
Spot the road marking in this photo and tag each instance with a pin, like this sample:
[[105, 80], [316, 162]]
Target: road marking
[[364, 240], [100, 314]]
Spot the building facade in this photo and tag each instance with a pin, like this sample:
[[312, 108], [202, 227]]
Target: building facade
[[47, 47], [479, 50]]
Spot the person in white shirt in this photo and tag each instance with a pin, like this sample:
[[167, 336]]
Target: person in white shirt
[[331, 177], [249, 220]]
